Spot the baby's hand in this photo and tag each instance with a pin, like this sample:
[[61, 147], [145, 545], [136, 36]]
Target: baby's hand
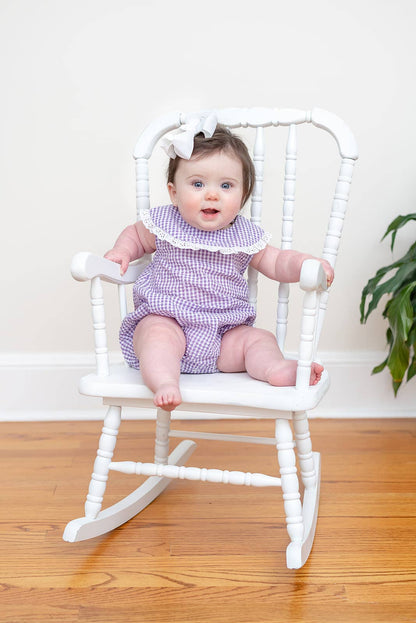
[[120, 257], [329, 271]]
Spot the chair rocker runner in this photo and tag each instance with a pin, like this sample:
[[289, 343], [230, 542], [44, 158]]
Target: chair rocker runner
[[234, 394]]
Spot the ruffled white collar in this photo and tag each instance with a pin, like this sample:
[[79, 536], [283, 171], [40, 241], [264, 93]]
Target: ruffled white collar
[[241, 237]]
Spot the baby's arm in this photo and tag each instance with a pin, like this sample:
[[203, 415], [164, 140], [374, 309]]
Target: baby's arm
[[285, 266], [132, 243]]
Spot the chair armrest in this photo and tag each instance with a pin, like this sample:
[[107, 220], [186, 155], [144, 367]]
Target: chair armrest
[[314, 282], [313, 276], [85, 266]]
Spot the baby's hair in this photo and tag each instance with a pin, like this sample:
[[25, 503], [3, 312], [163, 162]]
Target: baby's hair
[[221, 141]]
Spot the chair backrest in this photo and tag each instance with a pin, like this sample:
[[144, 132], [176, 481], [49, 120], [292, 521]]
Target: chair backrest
[[260, 118]]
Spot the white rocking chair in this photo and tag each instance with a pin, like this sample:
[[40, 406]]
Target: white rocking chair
[[221, 394]]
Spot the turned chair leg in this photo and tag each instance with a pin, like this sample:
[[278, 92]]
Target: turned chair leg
[[102, 462], [301, 516], [162, 437], [304, 449], [290, 483]]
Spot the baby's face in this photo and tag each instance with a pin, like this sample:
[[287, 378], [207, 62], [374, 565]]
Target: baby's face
[[208, 191]]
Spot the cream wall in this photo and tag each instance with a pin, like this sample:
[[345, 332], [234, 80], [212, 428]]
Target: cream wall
[[80, 79]]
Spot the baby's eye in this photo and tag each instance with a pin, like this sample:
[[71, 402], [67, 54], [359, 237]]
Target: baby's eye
[[197, 184], [226, 185]]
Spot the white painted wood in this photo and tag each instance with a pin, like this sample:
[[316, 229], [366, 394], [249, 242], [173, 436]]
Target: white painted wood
[[98, 323], [154, 132], [99, 476], [297, 552], [290, 483], [162, 437], [142, 186], [122, 300], [254, 117], [313, 282], [345, 139], [223, 395], [261, 117], [288, 116], [184, 434], [218, 476], [86, 266], [287, 232], [306, 346], [232, 393], [256, 207], [289, 189], [338, 210], [335, 227], [117, 514], [304, 449], [312, 277]]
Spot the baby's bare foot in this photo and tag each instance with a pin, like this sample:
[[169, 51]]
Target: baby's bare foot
[[283, 373], [167, 397]]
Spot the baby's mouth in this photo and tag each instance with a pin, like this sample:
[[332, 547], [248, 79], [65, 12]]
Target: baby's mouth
[[210, 211]]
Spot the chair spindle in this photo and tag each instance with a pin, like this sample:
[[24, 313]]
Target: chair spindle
[[334, 232], [142, 185], [122, 300], [219, 476], [287, 231], [98, 321], [256, 206]]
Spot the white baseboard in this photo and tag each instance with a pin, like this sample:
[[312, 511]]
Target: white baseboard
[[36, 387]]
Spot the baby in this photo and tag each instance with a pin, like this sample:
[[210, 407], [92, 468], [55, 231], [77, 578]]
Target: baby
[[192, 313]]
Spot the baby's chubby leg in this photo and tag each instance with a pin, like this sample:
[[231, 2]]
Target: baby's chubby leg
[[159, 344], [256, 351]]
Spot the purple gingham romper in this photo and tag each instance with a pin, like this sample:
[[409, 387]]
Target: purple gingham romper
[[196, 277]]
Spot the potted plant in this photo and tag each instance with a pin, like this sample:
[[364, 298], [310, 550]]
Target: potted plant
[[400, 309]]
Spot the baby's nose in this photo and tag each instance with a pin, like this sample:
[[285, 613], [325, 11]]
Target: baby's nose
[[211, 192]]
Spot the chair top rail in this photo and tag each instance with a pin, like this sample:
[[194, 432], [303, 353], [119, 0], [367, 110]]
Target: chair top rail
[[254, 117]]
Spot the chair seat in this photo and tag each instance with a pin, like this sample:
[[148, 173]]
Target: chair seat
[[230, 393]]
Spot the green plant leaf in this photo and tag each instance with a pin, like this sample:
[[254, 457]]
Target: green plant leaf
[[380, 367], [408, 257], [396, 386], [405, 272], [411, 340], [399, 312], [411, 371], [398, 362], [396, 224]]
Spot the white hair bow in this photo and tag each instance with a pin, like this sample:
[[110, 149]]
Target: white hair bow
[[181, 142]]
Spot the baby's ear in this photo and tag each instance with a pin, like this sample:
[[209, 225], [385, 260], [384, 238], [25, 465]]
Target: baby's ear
[[172, 192]]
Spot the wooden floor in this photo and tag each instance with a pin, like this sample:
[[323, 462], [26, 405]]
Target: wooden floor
[[209, 553]]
